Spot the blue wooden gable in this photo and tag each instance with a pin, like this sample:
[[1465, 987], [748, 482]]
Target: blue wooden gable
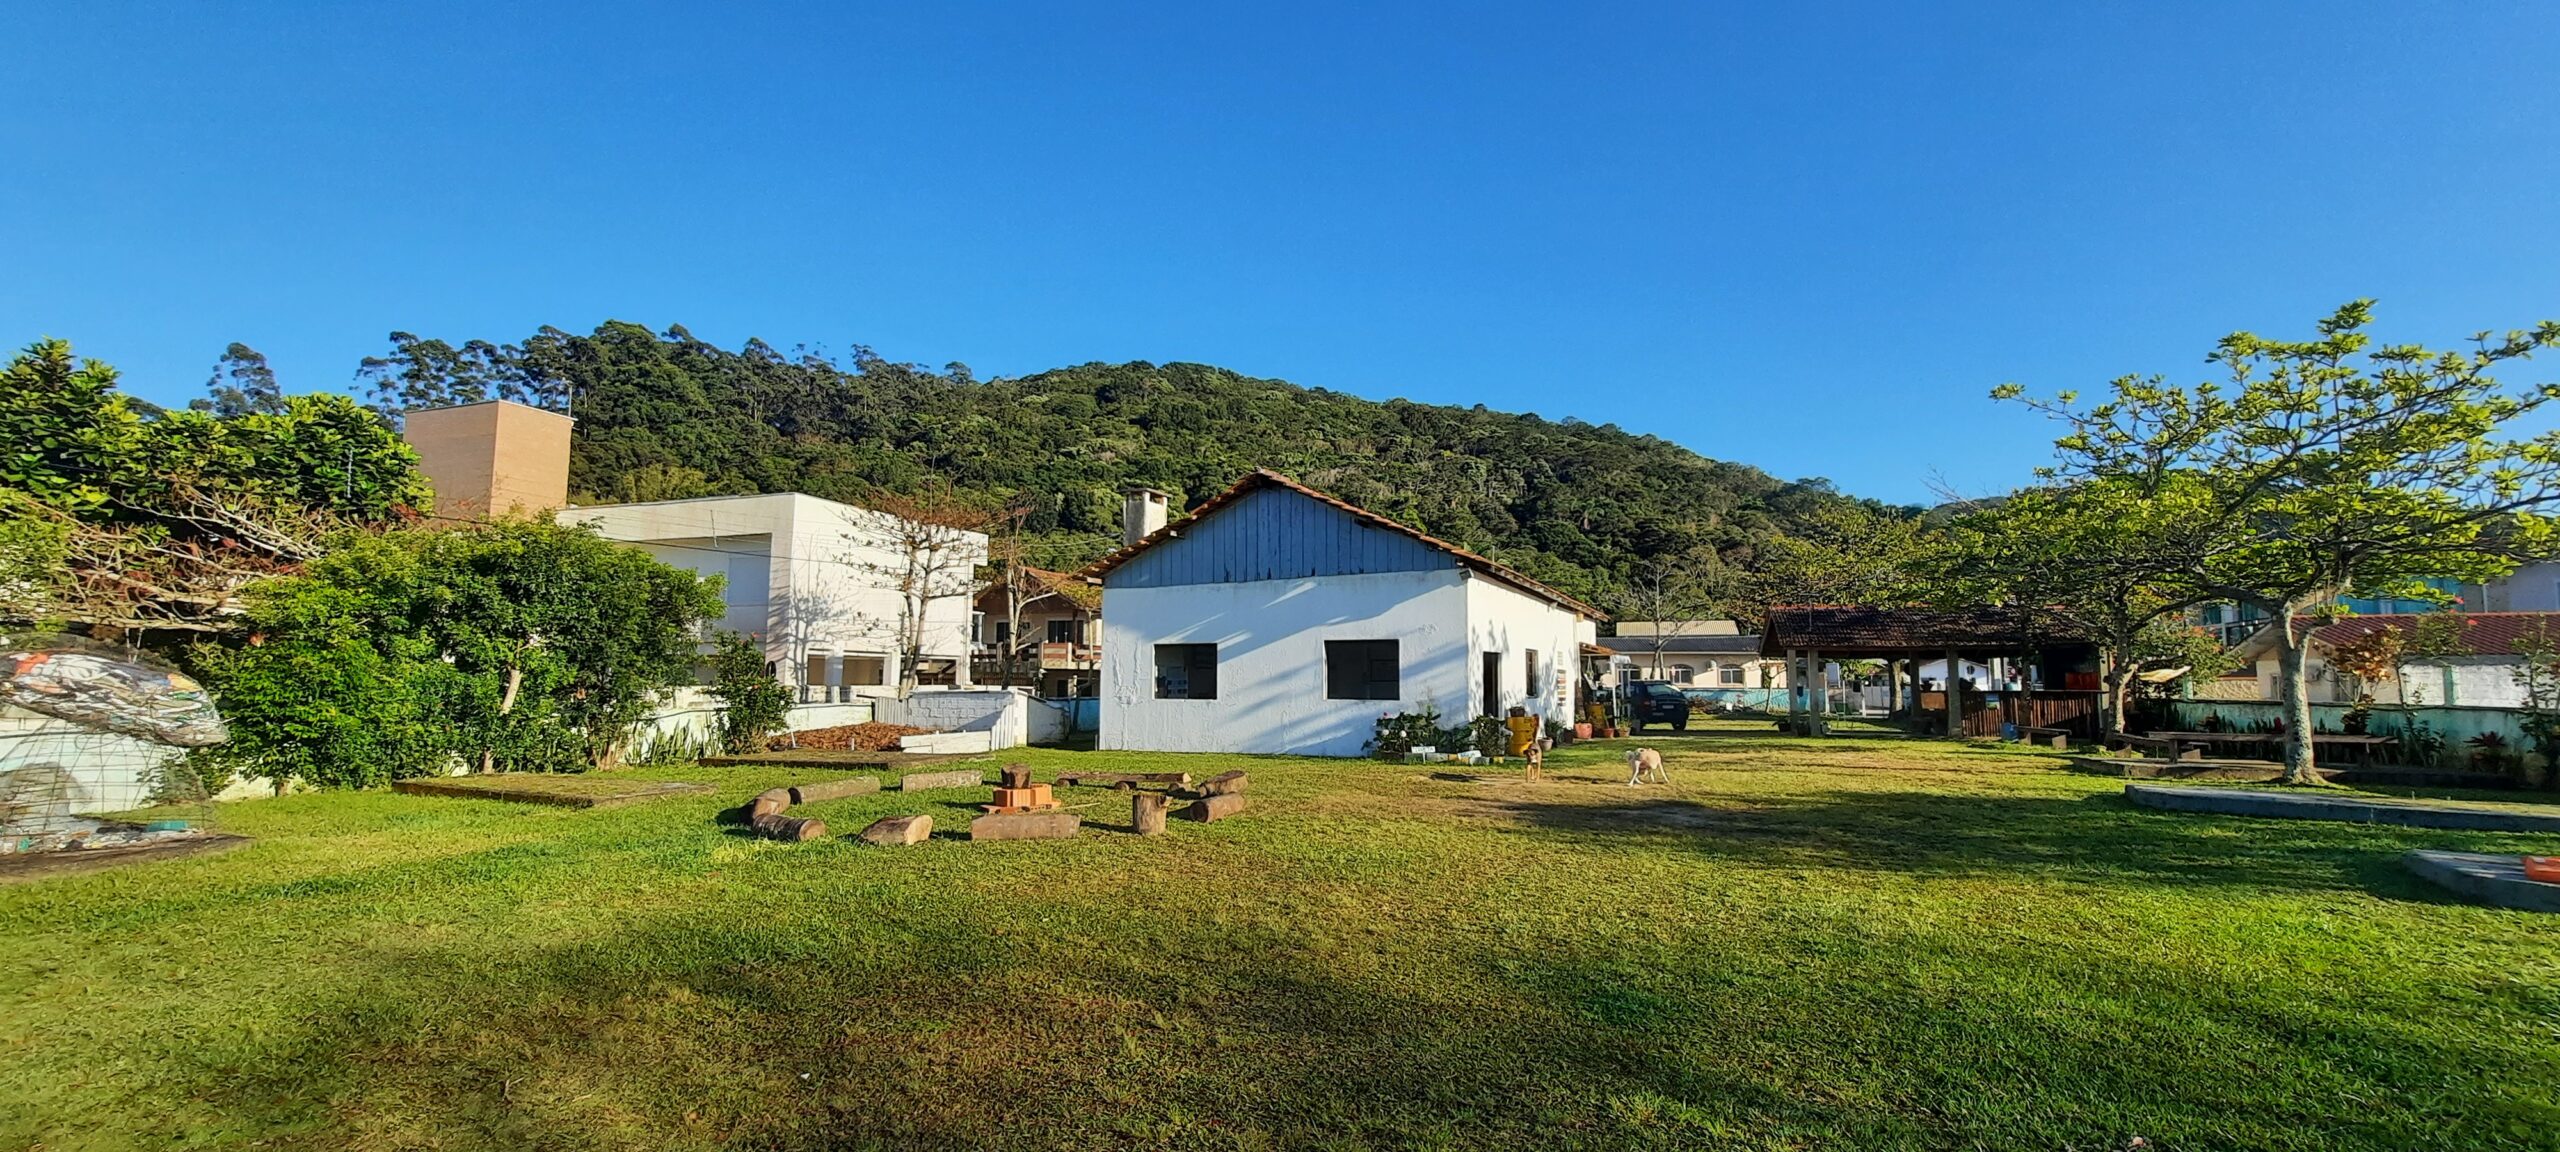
[[1274, 534]]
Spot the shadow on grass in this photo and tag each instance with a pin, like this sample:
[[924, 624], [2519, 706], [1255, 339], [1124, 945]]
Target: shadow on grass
[[2101, 839]]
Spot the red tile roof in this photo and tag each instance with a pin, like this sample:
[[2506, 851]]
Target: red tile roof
[[1266, 478], [2483, 633]]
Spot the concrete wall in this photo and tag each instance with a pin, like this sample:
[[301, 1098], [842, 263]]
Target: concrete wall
[[492, 458], [808, 576], [1271, 664], [1003, 715], [2481, 681]]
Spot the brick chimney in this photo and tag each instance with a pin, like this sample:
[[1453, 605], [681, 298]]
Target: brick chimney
[[492, 458], [1142, 511]]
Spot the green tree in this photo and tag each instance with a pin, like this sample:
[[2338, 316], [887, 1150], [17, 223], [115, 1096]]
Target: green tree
[[519, 645], [2105, 560], [67, 437], [2331, 466], [242, 383]]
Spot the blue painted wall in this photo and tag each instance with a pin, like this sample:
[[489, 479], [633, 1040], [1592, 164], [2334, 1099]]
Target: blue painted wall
[[1275, 534]]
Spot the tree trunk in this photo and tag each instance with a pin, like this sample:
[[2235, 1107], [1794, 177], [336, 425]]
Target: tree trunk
[[2294, 658], [2117, 675]]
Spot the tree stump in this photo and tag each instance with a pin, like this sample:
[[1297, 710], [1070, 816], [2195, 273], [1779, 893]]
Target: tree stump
[[1146, 813], [1015, 775], [776, 826]]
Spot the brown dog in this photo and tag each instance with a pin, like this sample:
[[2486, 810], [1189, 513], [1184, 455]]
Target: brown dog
[[1641, 761]]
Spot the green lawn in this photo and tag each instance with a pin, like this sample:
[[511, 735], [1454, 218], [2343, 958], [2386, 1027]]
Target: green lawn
[[1860, 942]]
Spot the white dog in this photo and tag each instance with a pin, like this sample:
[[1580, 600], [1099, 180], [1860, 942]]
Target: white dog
[[1642, 760]]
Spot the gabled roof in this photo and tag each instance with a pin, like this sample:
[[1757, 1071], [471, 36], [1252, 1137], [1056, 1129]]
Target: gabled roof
[[1045, 583], [2483, 633], [1855, 631], [1261, 478]]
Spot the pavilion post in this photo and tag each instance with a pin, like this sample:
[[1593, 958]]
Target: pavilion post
[[1955, 696], [1795, 687], [1817, 693], [1892, 687], [1913, 715]]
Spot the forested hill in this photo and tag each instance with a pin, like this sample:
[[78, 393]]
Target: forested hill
[[665, 415]]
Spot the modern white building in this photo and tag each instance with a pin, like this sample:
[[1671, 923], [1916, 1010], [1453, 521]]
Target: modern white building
[[1277, 619], [821, 585]]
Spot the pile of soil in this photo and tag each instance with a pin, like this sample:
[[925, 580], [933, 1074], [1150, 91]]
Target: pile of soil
[[873, 737]]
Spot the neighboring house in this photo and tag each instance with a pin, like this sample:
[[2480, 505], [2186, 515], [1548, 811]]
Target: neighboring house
[[1057, 648], [817, 583], [2234, 623], [1696, 654], [2492, 647], [1278, 619]]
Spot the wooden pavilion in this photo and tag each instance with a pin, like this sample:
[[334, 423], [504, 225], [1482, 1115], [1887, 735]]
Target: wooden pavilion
[[2055, 676]]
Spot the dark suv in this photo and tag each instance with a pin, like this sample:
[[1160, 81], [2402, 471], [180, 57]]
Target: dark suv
[[1657, 702]]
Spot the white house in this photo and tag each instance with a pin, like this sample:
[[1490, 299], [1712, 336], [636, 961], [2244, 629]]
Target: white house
[[2484, 656], [1277, 619], [820, 584]]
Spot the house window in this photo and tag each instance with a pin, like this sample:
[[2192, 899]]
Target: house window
[[1729, 675], [1004, 631], [977, 627], [866, 671], [1537, 675], [1186, 671], [1361, 670], [944, 673], [1682, 673], [1066, 631]]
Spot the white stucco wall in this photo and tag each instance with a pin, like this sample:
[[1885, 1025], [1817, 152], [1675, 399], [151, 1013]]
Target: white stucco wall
[[812, 576], [1271, 667], [2471, 681], [1503, 619]]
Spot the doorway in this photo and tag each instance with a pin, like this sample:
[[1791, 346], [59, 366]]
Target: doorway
[[1493, 683]]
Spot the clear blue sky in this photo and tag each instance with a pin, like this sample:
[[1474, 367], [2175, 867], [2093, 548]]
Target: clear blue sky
[[1809, 241]]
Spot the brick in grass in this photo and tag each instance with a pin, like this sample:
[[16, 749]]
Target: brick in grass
[[898, 831]]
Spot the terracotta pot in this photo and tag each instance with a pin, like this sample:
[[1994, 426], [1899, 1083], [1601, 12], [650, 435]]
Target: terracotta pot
[[1582, 731]]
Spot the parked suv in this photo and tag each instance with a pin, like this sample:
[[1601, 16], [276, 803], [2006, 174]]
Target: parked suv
[[1657, 702]]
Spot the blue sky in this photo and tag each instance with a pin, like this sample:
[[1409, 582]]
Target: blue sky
[[1810, 241]]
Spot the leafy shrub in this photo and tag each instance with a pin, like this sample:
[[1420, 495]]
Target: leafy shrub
[[519, 645], [753, 704]]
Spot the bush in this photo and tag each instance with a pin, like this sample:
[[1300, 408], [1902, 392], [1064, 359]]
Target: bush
[[521, 645], [753, 704]]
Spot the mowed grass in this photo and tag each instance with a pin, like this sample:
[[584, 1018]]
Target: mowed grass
[[1855, 942]]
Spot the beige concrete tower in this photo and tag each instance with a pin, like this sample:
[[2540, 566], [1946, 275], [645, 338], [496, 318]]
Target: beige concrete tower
[[493, 458]]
